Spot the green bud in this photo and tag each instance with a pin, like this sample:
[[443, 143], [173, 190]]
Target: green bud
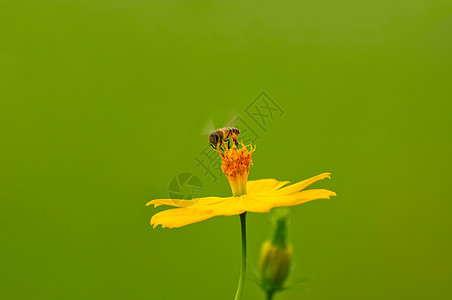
[[274, 263]]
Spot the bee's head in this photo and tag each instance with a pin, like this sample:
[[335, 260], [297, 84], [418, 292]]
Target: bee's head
[[214, 139]]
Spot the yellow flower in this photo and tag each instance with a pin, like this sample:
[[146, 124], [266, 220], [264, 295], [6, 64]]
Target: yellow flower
[[253, 196]]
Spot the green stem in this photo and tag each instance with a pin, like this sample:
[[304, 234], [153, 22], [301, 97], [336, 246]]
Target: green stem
[[238, 294], [270, 295]]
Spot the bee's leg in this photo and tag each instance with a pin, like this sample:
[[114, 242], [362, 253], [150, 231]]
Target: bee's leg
[[213, 147], [229, 143], [235, 142]]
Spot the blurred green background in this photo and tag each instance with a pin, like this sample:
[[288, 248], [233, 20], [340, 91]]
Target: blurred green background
[[104, 102]]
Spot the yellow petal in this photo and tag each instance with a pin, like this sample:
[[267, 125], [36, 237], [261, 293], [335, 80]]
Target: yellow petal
[[264, 203], [263, 195], [260, 186], [202, 210], [186, 203], [171, 202], [296, 187], [177, 217], [224, 208]]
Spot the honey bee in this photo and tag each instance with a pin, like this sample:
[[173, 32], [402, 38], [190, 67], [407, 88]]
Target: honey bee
[[218, 138]]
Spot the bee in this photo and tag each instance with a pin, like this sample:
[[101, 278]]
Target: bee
[[218, 138]]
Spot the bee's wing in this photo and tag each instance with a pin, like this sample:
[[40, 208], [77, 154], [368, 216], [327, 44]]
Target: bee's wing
[[208, 128], [210, 124], [232, 119]]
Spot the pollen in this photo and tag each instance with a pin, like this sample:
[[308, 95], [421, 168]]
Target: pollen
[[237, 160]]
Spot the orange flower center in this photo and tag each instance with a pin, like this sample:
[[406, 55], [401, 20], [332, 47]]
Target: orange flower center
[[236, 167]]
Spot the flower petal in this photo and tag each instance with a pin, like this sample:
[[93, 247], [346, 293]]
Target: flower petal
[[260, 186], [201, 210], [177, 217], [263, 195], [264, 203], [186, 203], [296, 187], [224, 208]]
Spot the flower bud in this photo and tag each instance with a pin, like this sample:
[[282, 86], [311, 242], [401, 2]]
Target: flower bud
[[274, 264]]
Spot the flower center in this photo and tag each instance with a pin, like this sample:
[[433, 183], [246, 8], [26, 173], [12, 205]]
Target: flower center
[[236, 167]]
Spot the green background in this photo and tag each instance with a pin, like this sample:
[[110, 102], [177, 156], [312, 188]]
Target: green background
[[104, 102]]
